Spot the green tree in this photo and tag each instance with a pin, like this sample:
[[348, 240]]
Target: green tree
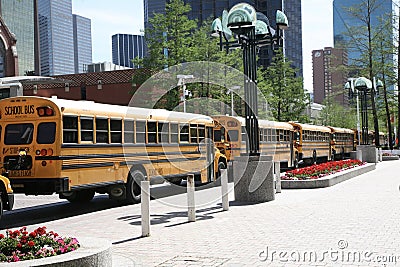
[[334, 114], [284, 92], [364, 39], [168, 39]]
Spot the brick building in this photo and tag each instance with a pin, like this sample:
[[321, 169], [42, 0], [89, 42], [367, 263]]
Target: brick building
[[112, 87], [328, 76], [8, 52]]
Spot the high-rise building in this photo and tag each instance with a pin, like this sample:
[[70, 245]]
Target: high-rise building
[[343, 22], [204, 9], [126, 47], [57, 39], [20, 18], [328, 79], [82, 42]]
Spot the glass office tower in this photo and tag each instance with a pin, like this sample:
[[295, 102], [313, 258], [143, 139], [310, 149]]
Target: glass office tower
[[344, 21], [126, 47], [19, 16], [65, 39], [82, 42], [56, 37], [204, 9]]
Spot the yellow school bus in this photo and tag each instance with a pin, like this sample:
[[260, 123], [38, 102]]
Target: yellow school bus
[[227, 135], [78, 148], [311, 143], [275, 138], [6, 193], [342, 142]]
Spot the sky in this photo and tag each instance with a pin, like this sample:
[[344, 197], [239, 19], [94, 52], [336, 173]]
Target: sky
[[109, 18]]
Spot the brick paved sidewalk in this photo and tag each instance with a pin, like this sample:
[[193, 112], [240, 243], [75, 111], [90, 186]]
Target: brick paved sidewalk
[[354, 223]]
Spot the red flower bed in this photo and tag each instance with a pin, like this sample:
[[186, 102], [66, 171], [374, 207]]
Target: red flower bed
[[22, 245], [321, 170]]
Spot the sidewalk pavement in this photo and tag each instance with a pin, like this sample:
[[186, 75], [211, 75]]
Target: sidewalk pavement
[[354, 223]]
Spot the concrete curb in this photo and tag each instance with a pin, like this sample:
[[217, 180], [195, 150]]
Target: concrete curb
[[93, 252], [328, 180], [384, 158]]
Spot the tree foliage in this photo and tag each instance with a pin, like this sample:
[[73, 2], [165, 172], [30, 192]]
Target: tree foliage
[[284, 92]]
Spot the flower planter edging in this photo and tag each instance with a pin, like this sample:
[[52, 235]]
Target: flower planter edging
[[394, 157], [94, 252], [328, 180]]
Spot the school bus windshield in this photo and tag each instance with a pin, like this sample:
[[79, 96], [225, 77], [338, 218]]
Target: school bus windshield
[[22, 133]]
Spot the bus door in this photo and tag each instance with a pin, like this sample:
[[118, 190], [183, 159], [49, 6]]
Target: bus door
[[291, 148], [210, 155]]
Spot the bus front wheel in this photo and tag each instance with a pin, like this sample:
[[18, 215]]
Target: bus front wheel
[[133, 187]]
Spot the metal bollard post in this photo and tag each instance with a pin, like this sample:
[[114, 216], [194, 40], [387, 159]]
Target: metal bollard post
[[224, 189], [145, 207], [190, 198], [277, 173], [380, 154]]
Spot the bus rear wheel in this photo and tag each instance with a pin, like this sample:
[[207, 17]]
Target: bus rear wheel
[[133, 189], [78, 196]]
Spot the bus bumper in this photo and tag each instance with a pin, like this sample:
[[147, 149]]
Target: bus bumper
[[40, 186]]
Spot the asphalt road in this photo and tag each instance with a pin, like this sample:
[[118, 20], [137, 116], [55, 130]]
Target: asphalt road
[[30, 210]]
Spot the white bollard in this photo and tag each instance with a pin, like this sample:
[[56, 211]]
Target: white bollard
[[360, 155], [145, 207], [380, 154], [277, 173], [190, 198], [224, 189]]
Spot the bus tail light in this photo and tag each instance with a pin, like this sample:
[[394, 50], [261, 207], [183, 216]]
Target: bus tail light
[[43, 152], [45, 111], [50, 152]]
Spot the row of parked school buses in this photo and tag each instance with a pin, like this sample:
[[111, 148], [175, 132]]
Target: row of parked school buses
[[79, 148], [290, 143]]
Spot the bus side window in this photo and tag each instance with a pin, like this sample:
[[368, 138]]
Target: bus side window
[[116, 130], [274, 135], [140, 131], [184, 133], [217, 135], [202, 133], [86, 129], [163, 132], [193, 133], [129, 132], [244, 134], [46, 133], [102, 130], [233, 135], [174, 133], [152, 132], [70, 129]]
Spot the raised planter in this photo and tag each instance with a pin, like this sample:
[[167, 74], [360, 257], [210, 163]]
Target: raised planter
[[94, 252], [394, 157], [328, 180]]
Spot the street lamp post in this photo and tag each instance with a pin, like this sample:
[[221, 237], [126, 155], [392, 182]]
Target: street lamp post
[[230, 91], [350, 86], [181, 82], [365, 85], [251, 30]]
